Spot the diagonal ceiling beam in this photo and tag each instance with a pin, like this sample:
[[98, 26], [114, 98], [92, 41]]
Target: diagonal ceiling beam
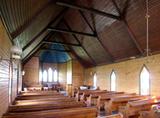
[[26, 25], [75, 37], [70, 32], [35, 49], [58, 18], [63, 43], [85, 19], [54, 50], [94, 30], [118, 9], [133, 37], [73, 52], [90, 10], [124, 12], [129, 30]]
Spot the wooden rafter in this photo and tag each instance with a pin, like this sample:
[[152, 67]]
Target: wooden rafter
[[70, 32], [58, 18], [90, 10], [129, 30], [97, 37], [85, 19], [55, 50], [118, 9], [74, 53], [35, 49], [75, 37], [62, 43]]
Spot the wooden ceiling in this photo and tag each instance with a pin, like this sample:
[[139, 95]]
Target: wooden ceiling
[[95, 32]]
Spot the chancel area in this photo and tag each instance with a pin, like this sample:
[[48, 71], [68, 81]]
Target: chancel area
[[79, 58]]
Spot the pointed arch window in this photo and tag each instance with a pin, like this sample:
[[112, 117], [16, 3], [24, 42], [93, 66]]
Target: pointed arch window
[[45, 76], [55, 76], [144, 81], [95, 80], [40, 76], [50, 75], [113, 81]]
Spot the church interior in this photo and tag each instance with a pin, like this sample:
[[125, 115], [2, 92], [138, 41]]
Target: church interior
[[79, 58]]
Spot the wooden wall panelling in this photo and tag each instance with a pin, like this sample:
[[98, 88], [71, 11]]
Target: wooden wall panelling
[[31, 69], [4, 69]]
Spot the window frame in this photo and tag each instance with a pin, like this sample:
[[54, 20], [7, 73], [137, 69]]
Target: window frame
[[48, 73], [144, 66], [113, 71], [54, 75], [95, 74], [43, 76]]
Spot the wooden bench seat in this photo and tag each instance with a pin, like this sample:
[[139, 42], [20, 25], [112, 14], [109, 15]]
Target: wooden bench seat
[[43, 99], [83, 97], [134, 108], [102, 99], [92, 99], [45, 106], [44, 93], [82, 92], [112, 116], [40, 101], [114, 103], [83, 112], [37, 97]]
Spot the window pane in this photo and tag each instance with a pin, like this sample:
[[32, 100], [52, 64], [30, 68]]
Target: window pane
[[144, 82], [50, 75], [55, 76], [113, 81], [95, 80], [45, 76], [40, 76]]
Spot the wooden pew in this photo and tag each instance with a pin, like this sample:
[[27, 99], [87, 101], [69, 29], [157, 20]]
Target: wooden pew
[[39, 93], [153, 113], [92, 99], [102, 99], [114, 103], [59, 113], [119, 115], [37, 106], [39, 101], [133, 108], [86, 94], [37, 97], [82, 92], [18, 102]]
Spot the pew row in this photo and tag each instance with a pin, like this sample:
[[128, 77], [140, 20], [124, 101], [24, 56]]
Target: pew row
[[133, 108], [59, 113], [95, 97], [37, 106], [102, 99], [31, 97], [114, 103], [81, 93], [119, 115], [64, 98]]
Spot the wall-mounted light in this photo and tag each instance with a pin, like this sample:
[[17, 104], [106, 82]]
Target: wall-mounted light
[[16, 50], [23, 73], [15, 53]]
